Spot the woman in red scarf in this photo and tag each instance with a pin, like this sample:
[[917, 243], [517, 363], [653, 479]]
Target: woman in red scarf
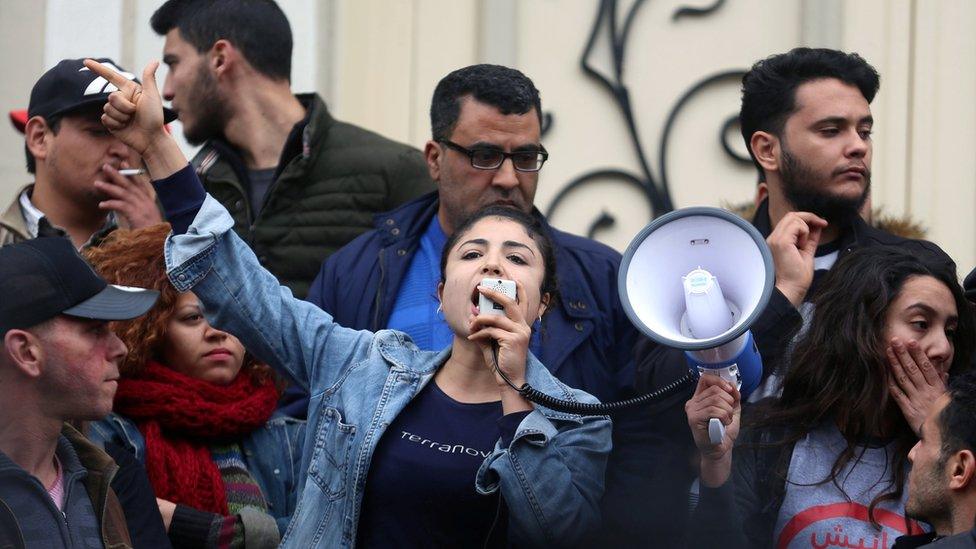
[[197, 410]]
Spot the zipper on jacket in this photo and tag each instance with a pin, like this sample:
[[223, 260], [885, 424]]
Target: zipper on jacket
[[66, 497]]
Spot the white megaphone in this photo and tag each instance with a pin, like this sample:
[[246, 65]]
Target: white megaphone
[[696, 279]]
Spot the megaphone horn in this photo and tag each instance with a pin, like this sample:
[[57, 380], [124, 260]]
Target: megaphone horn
[[696, 279]]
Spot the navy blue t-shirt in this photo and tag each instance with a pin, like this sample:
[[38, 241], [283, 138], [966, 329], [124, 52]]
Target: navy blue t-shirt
[[420, 491]]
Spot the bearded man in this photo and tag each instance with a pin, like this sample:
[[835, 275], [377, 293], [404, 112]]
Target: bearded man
[[298, 183], [806, 121]]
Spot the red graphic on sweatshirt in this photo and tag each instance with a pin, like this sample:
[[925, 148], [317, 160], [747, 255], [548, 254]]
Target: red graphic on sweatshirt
[[835, 536]]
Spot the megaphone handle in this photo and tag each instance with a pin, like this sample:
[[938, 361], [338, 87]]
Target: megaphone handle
[[716, 431]]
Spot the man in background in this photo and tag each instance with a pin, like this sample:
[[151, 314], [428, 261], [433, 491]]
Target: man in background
[[77, 191], [298, 183], [942, 482]]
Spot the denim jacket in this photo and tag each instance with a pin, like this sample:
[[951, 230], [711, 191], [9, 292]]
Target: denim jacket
[[270, 454], [550, 476]]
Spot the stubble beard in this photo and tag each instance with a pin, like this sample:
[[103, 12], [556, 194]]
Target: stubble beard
[[803, 187], [929, 503], [210, 109]]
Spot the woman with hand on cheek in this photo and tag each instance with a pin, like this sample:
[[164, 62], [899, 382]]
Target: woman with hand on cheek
[[405, 447], [828, 460]]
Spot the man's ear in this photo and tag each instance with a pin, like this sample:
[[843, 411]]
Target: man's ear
[[434, 155], [962, 470], [223, 57], [24, 352], [766, 148], [762, 191], [35, 135]]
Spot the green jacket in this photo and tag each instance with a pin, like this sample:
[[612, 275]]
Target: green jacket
[[322, 196]]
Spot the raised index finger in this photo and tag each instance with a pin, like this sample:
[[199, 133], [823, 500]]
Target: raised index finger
[[115, 78]]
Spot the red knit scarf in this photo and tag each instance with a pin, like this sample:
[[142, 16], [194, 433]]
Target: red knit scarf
[[180, 417]]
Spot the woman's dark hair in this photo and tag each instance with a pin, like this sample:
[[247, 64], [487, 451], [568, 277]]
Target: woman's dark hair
[[532, 226], [839, 372]]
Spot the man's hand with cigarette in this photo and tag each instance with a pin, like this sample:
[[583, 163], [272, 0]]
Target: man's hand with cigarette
[[129, 193]]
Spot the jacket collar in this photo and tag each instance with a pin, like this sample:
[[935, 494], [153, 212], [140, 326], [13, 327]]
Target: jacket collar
[[12, 218], [312, 129], [90, 456], [850, 235], [407, 222]]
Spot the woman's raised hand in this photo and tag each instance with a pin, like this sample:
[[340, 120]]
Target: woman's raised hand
[[510, 331], [915, 384], [133, 113]]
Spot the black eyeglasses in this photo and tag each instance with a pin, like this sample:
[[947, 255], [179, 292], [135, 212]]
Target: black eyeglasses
[[492, 159]]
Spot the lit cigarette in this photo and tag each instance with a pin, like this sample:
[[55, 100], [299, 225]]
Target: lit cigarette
[[129, 172]]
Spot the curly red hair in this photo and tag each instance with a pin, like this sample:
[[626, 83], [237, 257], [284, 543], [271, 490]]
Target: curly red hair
[[135, 258]]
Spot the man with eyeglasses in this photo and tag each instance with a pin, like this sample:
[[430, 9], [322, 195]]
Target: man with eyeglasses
[[486, 150]]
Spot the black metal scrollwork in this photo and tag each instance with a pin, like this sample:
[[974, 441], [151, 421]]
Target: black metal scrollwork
[[655, 189]]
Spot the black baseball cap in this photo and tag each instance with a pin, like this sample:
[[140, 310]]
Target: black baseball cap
[[70, 85], [45, 277]]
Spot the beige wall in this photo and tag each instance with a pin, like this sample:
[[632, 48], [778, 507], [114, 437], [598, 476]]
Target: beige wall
[[377, 61], [22, 62]]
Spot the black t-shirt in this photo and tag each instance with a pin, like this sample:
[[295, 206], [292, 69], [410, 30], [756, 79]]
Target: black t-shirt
[[131, 485], [260, 181], [420, 491]]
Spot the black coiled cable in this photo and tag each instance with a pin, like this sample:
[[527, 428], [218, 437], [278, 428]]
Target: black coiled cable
[[588, 408]]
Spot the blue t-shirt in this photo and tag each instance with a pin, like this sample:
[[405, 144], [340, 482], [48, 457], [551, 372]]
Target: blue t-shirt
[[420, 491], [415, 311]]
